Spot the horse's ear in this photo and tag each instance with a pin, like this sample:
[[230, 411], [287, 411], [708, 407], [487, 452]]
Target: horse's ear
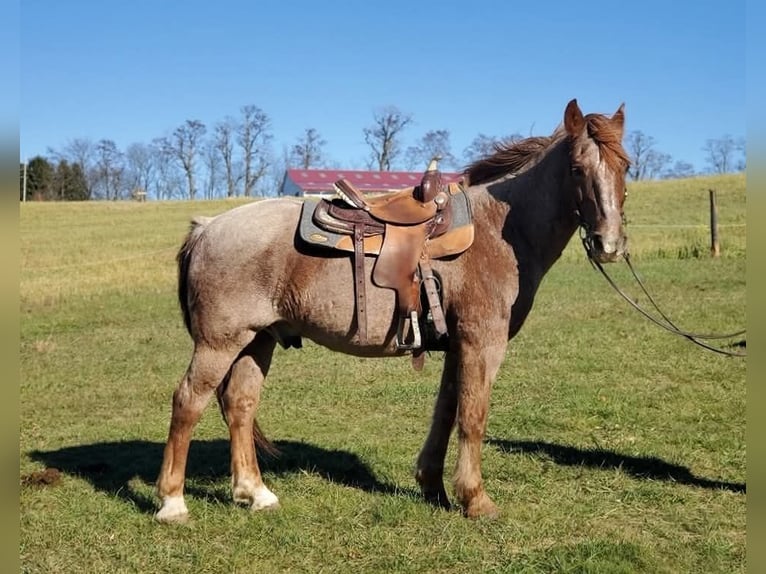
[[574, 122], [619, 116]]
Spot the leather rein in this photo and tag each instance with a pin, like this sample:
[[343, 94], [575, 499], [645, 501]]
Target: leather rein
[[664, 322]]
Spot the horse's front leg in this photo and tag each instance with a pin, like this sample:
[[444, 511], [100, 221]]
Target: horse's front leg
[[429, 470], [476, 371]]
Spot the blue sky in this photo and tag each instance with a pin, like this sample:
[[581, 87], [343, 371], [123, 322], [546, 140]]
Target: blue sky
[[133, 71]]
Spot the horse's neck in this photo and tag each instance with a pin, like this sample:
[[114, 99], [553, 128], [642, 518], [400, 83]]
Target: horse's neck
[[541, 216]]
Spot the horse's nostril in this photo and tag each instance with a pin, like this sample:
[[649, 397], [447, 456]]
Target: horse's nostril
[[598, 244]]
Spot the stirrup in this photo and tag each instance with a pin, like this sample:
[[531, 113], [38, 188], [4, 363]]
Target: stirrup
[[416, 339]]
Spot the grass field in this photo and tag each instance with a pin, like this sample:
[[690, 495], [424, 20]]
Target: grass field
[[612, 446]]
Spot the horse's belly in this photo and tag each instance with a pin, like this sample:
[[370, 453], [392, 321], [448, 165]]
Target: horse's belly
[[320, 304]]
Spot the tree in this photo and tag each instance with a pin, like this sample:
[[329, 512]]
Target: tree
[[212, 161], [82, 152], [720, 153], [383, 136], [434, 143], [656, 162], [140, 167], [169, 182], [40, 174], [224, 143], [680, 169], [69, 182], [308, 151], [638, 146], [184, 147], [645, 161], [254, 138], [484, 146], [77, 186], [109, 169], [741, 164], [278, 170]]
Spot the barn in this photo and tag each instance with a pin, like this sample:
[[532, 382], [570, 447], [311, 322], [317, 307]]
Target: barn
[[319, 182]]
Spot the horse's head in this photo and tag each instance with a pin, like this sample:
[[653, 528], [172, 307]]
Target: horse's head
[[598, 164]]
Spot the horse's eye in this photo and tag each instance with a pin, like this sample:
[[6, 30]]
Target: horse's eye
[[577, 171]]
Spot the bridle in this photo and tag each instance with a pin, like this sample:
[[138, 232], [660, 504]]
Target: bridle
[[664, 322]]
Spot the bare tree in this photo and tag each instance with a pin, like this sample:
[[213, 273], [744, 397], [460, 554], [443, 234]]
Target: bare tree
[[254, 137], [169, 181], [680, 169], [139, 167], [656, 162], [185, 147], [80, 151], [278, 170], [645, 161], [224, 143], [383, 136], [308, 152], [639, 147], [434, 143], [720, 153], [109, 169], [212, 161], [741, 164]]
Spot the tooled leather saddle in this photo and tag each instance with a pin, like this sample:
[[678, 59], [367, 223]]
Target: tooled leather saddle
[[404, 231]]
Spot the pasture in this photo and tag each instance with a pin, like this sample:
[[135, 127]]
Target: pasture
[[612, 446]]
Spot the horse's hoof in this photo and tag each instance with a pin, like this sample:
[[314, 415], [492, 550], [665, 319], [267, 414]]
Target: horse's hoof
[[173, 511], [268, 508], [264, 499], [437, 498], [482, 507]]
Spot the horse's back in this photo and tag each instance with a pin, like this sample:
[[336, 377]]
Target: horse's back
[[264, 221]]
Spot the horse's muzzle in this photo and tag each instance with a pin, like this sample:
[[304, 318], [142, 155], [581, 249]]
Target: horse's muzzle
[[607, 250]]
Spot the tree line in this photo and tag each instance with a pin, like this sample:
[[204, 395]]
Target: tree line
[[236, 157]]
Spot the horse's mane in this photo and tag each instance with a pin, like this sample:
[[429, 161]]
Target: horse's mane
[[513, 156]]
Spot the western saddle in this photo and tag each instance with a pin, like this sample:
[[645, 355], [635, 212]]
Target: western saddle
[[404, 230]]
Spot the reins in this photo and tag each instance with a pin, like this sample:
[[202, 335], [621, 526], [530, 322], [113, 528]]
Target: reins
[[665, 323]]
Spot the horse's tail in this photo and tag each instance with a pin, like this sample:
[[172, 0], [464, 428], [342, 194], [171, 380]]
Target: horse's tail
[[262, 443], [184, 259]]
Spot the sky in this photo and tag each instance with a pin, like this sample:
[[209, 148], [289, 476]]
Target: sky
[[133, 71]]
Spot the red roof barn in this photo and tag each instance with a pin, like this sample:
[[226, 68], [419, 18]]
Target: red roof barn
[[319, 182]]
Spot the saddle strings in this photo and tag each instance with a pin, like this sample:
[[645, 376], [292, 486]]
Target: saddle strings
[[668, 324]]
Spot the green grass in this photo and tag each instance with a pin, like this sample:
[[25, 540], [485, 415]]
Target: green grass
[[612, 446]]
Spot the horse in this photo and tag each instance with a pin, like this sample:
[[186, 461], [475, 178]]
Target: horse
[[246, 285]]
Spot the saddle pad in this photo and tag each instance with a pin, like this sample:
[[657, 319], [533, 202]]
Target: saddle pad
[[457, 239]]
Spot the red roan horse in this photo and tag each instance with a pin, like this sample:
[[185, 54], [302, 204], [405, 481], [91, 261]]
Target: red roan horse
[[244, 286]]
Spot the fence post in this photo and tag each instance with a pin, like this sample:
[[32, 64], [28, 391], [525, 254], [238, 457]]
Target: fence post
[[715, 248]]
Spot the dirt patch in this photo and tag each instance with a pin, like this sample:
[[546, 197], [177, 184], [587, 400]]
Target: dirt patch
[[47, 477]]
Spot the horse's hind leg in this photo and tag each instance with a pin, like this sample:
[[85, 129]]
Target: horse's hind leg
[[239, 397], [207, 369], [429, 471]]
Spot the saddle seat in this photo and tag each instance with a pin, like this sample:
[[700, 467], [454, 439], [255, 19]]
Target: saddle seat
[[400, 208], [404, 230]]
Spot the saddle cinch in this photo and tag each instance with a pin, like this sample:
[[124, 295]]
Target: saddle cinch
[[404, 231]]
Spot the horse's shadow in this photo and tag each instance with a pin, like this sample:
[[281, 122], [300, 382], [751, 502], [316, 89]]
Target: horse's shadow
[[111, 466], [648, 467]]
